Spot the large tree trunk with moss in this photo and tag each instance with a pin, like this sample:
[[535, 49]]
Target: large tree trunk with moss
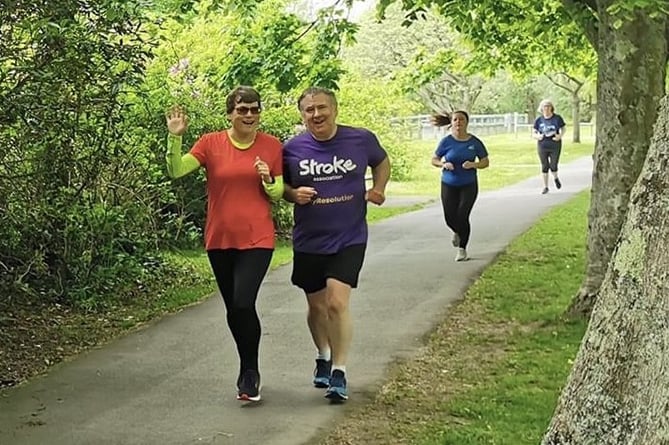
[[630, 83], [618, 391]]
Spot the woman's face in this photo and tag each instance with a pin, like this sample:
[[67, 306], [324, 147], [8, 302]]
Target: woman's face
[[459, 123], [245, 118], [547, 110]]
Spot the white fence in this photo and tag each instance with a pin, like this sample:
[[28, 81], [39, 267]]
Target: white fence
[[420, 127]]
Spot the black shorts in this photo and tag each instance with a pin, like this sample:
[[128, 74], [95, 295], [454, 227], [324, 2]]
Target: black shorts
[[311, 270]]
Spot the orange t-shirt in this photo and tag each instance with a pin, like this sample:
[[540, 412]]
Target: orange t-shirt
[[239, 212]]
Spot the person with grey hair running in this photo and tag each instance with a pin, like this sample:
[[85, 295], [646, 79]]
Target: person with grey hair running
[[324, 171], [548, 131]]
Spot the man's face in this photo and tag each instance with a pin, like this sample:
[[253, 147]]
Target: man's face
[[245, 117], [319, 114]]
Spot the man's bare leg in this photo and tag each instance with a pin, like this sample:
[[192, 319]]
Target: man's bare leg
[[317, 320], [340, 325], [340, 333]]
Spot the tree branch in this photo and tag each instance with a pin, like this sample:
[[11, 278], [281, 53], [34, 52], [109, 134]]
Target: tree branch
[[584, 12], [569, 88], [437, 106], [312, 25], [572, 79]]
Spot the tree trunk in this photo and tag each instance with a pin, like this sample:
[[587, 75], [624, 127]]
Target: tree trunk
[[630, 82], [531, 106], [618, 391], [576, 115]]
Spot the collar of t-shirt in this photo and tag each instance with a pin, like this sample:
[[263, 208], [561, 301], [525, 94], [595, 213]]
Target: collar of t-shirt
[[241, 145]]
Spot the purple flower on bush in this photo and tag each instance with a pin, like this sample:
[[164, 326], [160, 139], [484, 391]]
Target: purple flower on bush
[[181, 66]]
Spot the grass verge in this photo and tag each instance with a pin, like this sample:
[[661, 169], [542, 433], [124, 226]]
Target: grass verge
[[492, 371]]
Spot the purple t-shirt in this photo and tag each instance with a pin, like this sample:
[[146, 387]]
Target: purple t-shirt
[[336, 169]]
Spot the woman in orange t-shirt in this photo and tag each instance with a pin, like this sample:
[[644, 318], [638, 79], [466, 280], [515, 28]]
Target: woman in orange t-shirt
[[244, 174]]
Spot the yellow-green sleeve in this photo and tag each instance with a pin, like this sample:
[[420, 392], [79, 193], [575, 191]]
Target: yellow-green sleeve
[[275, 189], [178, 164]]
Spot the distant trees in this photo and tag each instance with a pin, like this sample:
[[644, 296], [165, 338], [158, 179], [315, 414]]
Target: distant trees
[[630, 40]]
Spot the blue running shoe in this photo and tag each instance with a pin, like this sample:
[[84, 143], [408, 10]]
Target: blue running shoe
[[322, 373], [337, 389]]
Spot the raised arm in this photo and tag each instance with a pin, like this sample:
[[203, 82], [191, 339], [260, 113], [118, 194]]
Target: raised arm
[[178, 164]]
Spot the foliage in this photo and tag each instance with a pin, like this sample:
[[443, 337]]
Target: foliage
[[524, 38], [65, 71], [198, 74], [521, 35], [372, 103], [84, 199], [428, 58]]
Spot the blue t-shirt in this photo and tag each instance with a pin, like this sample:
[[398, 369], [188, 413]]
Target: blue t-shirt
[[549, 128], [457, 152], [336, 169]]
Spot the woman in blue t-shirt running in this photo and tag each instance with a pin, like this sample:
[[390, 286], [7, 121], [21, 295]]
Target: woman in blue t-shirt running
[[548, 131], [459, 155]]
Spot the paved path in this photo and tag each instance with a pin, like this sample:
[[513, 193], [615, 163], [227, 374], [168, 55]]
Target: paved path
[[173, 382]]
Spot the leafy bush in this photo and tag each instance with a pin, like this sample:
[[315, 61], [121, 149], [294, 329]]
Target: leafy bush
[[85, 204], [63, 202]]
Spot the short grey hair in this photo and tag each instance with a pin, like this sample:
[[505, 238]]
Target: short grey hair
[[545, 102], [312, 91]]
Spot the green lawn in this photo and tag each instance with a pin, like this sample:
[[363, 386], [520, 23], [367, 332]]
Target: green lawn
[[491, 373], [525, 292]]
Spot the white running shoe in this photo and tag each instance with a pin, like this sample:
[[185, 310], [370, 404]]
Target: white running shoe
[[461, 255]]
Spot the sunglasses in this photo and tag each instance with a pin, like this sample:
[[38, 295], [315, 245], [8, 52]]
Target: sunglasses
[[245, 110]]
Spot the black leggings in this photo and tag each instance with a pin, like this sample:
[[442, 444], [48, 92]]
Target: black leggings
[[457, 203], [549, 159], [239, 274]]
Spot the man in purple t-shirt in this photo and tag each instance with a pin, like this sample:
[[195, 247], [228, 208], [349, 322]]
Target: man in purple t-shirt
[[324, 175]]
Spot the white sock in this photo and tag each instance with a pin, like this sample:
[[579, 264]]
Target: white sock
[[342, 368], [323, 355]]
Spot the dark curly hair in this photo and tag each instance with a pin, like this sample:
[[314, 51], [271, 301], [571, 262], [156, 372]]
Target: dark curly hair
[[445, 119]]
